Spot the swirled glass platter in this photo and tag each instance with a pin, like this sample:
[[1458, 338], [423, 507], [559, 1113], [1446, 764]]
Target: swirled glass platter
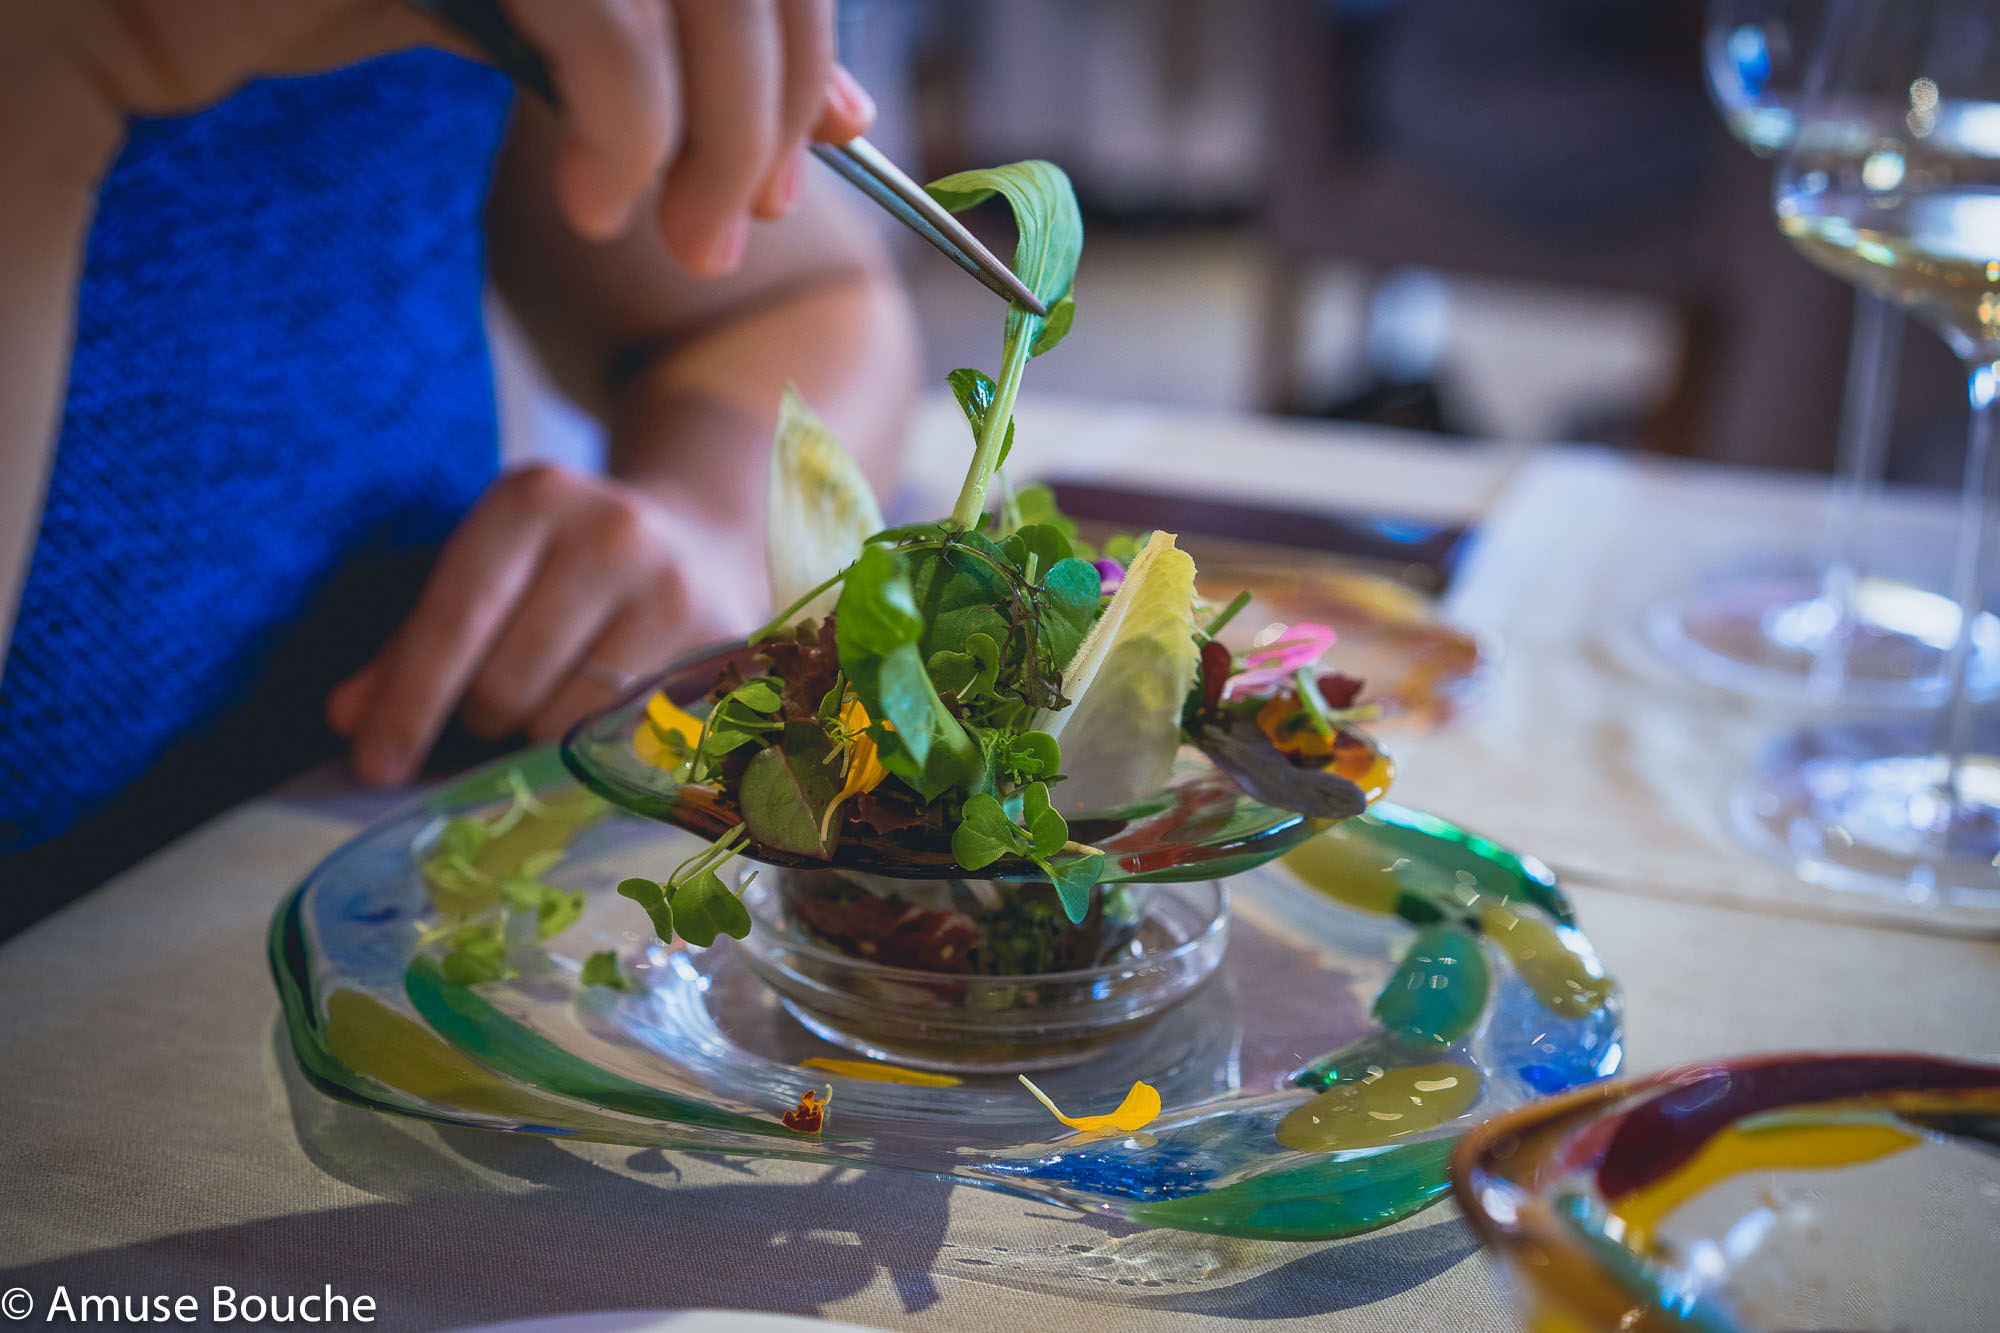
[[1386, 984]]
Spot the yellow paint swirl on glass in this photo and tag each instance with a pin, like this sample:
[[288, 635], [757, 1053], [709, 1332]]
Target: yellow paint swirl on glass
[[1380, 1107], [1348, 868], [876, 1072], [1568, 980], [1794, 1143]]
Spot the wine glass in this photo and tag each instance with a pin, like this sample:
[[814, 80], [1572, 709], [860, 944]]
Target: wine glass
[[1892, 182], [1831, 634]]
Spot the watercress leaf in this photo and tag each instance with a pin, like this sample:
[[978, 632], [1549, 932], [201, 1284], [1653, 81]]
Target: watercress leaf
[[1045, 827], [985, 834], [951, 672], [785, 793], [1061, 315], [974, 391], [1240, 748], [741, 717], [601, 969], [1073, 878], [1047, 543], [1027, 755], [652, 896], [705, 907], [557, 912], [461, 838], [1072, 590], [478, 954], [970, 674]]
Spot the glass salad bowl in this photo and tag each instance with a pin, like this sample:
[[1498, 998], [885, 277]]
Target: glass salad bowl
[[1385, 984], [1198, 827]]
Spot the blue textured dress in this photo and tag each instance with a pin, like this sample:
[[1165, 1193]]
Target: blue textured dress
[[279, 402]]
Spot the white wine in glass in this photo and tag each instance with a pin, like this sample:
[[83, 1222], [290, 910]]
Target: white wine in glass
[[1820, 628], [1892, 182]]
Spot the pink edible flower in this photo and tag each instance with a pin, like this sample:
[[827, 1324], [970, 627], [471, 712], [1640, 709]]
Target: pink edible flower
[[1276, 662]]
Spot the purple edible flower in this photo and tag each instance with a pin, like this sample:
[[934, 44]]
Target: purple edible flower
[[1111, 572]]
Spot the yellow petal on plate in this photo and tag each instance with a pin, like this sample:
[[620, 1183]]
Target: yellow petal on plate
[[1140, 1108], [876, 1072]]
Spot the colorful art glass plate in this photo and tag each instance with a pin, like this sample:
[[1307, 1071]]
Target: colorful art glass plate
[[1776, 1192], [1387, 984]]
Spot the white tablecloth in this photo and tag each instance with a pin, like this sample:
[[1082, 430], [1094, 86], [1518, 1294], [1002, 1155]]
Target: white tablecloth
[[157, 1139]]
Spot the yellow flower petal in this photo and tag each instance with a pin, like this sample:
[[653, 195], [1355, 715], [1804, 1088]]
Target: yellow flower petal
[[864, 765], [664, 720], [663, 713], [1140, 1108], [876, 1072]]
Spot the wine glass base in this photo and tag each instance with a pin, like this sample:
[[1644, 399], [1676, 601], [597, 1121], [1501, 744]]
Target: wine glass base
[[1776, 637], [1862, 807]]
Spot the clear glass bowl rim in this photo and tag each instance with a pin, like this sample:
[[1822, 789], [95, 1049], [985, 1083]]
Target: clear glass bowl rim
[[802, 943]]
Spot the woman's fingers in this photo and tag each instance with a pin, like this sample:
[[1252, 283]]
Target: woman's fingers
[[641, 638], [617, 76], [732, 58], [420, 674], [807, 40], [847, 111], [585, 571]]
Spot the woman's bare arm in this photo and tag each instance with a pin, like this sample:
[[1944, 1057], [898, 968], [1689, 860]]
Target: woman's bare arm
[[555, 576], [48, 180]]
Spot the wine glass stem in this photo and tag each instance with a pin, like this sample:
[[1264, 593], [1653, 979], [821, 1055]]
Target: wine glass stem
[[1874, 355], [1977, 503]]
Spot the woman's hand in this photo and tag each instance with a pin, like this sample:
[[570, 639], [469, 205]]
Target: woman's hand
[[705, 103], [556, 591]]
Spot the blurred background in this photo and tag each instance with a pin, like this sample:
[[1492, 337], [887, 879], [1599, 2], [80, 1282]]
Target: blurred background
[[1520, 221]]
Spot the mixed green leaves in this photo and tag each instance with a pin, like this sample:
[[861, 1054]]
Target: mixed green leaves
[[486, 878], [956, 684]]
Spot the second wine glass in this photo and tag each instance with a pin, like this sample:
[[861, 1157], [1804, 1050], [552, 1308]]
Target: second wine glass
[[1825, 630], [1892, 183]]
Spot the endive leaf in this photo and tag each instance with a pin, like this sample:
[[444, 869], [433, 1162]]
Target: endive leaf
[[818, 511], [1127, 684]]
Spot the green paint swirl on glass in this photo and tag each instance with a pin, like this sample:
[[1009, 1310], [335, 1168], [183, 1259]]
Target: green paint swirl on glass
[[469, 1022], [1438, 991], [1328, 1197]]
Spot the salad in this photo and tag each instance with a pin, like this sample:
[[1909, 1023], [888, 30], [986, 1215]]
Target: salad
[[979, 681]]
